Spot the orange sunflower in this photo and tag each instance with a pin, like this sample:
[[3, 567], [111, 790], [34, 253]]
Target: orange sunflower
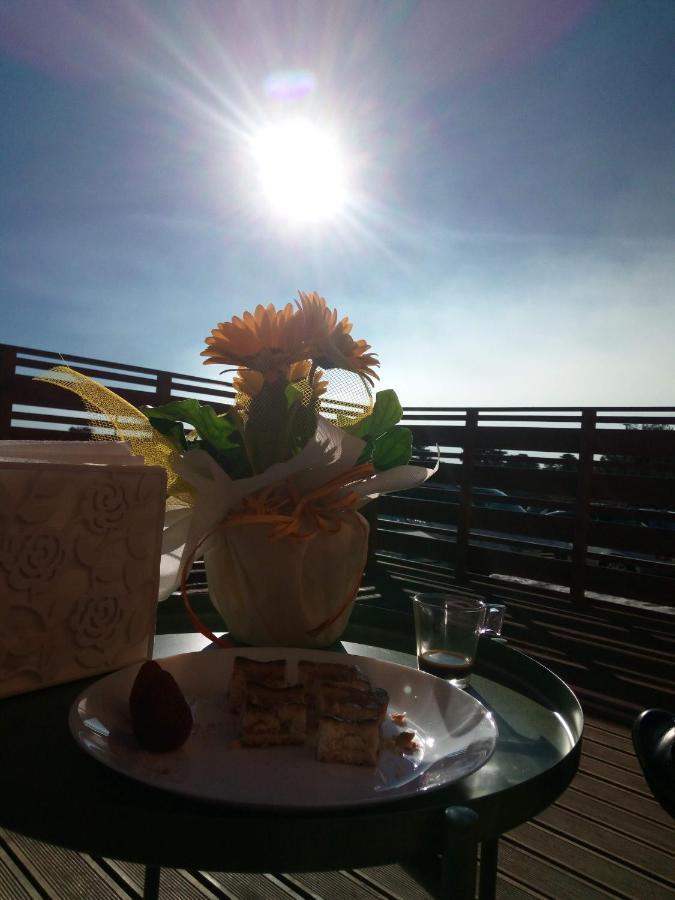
[[265, 341], [329, 342], [248, 381]]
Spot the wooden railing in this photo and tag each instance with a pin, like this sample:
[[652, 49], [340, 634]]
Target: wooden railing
[[33, 410], [586, 504], [568, 498]]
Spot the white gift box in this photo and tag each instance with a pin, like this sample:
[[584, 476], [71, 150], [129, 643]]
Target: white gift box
[[80, 547]]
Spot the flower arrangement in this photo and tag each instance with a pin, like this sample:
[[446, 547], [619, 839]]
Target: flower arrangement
[[285, 361], [270, 489]]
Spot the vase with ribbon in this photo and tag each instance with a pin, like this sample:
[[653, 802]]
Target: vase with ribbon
[[269, 489]]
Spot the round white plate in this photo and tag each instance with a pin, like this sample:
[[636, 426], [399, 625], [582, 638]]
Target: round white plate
[[456, 736]]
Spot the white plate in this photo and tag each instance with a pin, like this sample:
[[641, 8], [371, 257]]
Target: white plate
[[455, 732]]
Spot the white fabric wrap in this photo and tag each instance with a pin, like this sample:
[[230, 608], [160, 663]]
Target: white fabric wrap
[[276, 593], [296, 585]]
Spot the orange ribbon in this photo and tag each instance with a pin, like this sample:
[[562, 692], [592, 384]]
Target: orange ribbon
[[296, 516]]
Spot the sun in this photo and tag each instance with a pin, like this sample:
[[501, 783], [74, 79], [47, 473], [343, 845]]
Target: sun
[[301, 171]]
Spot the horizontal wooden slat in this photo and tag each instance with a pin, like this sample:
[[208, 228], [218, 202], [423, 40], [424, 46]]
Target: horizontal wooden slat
[[29, 357], [416, 546], [555, 528], [93, 371], [14, 884], [638, 443], [536, 482], [44, 434], [552, 440], [223, 396], [658, 542], [38, 393], [55, 417], [638, 585], [606, 814], [62, 873], [537, 874], [508, 563], [410, 507], [641, 805], [646, 491]]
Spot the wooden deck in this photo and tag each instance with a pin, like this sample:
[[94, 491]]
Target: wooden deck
[[605, 837]]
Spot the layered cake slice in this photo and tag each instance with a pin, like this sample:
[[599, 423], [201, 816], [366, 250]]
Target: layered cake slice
[[345, 701], [271, 673], [273, 716], [350, 724], [313, 674], [356, 743]]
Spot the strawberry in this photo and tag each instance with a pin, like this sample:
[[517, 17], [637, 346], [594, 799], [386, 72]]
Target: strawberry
[[160, 715]]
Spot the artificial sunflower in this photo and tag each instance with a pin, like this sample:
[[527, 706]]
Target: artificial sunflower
[[264, 341], [330, 342], [248, 381]]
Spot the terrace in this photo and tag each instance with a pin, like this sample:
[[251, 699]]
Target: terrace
[[567, 515]]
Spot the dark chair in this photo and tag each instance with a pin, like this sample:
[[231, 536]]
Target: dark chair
[[654, 742]]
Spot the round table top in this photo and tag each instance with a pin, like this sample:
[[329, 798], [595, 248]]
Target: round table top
[[52, 790]]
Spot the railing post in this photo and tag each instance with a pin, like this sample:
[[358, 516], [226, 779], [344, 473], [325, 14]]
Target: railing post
[[7, 379], [583, 511], [163, 388], [466, 493]]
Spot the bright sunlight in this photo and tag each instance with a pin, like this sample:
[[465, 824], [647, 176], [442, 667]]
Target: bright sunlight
[[301, 171]]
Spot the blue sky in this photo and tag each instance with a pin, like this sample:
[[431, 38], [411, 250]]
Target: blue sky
[[510, 232]]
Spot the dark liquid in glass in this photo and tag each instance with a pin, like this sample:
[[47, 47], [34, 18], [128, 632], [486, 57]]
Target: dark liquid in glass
[[445, 664]]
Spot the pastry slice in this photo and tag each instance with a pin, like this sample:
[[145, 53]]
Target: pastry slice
[[354, 743], [271, 673], [309, 672], [345, 701], [273, 716], [312, 674]]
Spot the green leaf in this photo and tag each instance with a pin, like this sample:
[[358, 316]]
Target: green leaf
[[216, 430], [386, 413], [293, 394], [174, 431], [394, 448]]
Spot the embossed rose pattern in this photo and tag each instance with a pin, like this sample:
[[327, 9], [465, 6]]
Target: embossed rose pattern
[[78, 561], [96, 621], [104, 507], [35, 560]]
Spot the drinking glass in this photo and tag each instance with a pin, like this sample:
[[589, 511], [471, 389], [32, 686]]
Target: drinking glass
[[447, 628]]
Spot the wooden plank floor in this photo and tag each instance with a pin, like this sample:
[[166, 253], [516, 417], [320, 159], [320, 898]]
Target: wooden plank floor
[[605, 837]]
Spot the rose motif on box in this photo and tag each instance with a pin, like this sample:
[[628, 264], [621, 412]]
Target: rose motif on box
[[104, 507], [33, 560], [97, 623], [74, 601]]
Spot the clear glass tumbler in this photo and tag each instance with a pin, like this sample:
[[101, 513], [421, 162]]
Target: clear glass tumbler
[[447, 628]]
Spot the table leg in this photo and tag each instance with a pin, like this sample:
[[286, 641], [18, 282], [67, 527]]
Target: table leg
[[460, 854], [151, 883], [489, 851]]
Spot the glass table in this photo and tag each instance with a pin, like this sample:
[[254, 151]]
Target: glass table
[[53, 791]]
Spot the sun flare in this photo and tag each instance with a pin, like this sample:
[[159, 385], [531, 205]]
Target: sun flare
[[301, 171]]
